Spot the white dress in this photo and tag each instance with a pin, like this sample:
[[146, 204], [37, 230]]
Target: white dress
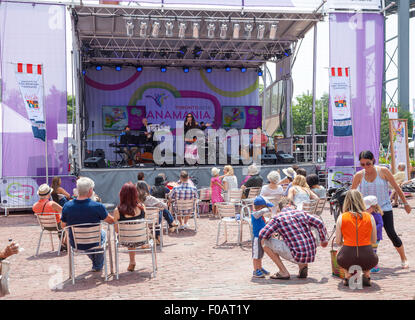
[[232, 184]]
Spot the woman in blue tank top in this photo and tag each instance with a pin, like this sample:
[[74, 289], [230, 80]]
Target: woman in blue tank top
[[373, 180]]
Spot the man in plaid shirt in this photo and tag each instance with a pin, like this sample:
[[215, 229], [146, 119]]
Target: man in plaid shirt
[[298, 244], [184, 191]]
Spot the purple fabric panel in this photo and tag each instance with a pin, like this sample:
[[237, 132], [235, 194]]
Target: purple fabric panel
[[356, 41], [34, 34]]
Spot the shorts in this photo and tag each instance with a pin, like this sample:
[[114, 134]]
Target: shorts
[[257, 250], [280, 248]]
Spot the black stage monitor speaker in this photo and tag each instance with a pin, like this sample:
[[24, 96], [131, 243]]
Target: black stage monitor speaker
[[94, 162], [285, 158], [268, 159], [99, 153]]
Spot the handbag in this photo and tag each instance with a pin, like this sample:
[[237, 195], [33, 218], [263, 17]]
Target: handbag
[[4, 278], [336, 270]]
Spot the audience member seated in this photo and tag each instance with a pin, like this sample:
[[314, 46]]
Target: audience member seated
[[150, 201], [130, 208], [84, 210], [290, 174], [45, 205], [140, 178], [59, 194], [94, 196], [229, 181], [255, 180], [313, 183], [272, 189], [159, 190], [400, 177], [298, 244], [300, 192], [184, 191], [356, 231]]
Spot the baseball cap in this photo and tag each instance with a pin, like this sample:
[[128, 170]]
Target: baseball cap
[[370, 201], [260, 201]]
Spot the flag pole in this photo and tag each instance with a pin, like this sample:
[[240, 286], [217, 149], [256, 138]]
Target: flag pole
[[46, 130], [352, 118]]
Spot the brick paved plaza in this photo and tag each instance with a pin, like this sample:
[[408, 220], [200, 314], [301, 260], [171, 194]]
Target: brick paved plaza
[[192, 267]]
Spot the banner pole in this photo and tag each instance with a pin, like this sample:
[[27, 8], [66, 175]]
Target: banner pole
[[46, 129], [352, 119]]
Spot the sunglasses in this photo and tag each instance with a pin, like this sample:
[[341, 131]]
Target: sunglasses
[[367, 164]]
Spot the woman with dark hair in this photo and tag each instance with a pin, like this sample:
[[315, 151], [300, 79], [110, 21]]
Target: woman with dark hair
[[373, 181], [130, 208], [313, 182], [59, 194], [159, 190]]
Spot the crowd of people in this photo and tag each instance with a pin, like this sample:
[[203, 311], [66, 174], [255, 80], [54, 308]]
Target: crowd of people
[[290, 233]]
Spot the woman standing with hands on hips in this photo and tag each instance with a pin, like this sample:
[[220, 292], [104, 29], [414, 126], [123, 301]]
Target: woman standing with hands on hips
[[373, 181]]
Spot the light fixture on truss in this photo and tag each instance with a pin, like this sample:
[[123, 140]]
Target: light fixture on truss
[[129, 25], [169, 29], [211, 30], [261, 32], [248, 30], [223, 30], [273, 31], [236, 28], [156, 29], [196, 27], [143, 29], [182, 30]]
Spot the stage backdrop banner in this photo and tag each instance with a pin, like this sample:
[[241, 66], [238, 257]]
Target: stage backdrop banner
[[30, 80], [242, 117], [118, 117], [33, 33], [340, 102], [398, 133], [360, 47], [18, 192]]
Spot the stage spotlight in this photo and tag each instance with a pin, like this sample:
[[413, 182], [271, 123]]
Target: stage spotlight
[[227, 69], [273, 32], [209, 70], [182, 30], [182, 52], [143, 29], [197, 51], [260, 73], [223, 30], [186, 70], [279, 56], [243, 69], [146, 54], [196, 27], [83, 72], [287, 52], [139, 68], [261, 32], [163, 69], [130, 28], [213, 54], [99, 68], [118, 68], [156, 29], [163, 53], [211, 30], [169, 29], [228, 55], [248, 30], [236, 28]]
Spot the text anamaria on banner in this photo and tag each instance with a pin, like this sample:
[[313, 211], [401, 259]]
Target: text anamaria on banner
[[30, 81], [340, 102]]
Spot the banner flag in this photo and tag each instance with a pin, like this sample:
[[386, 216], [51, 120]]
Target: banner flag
[[340, 102], [398, 133], [30, 80], [339, 174], [393, 112]]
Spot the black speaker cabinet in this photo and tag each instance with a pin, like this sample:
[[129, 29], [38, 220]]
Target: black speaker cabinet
[[94, 162], [285, 158], [99, 153], [268, 159]]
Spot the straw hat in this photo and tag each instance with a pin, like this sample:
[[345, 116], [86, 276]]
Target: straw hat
[[289, 172], [44, 190]]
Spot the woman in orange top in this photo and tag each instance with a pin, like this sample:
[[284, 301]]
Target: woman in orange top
[[356, 230]]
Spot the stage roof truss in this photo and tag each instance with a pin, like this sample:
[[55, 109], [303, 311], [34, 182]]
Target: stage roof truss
[[104, 39]]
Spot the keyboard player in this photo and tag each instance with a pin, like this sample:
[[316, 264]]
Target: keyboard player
[[130, 152]]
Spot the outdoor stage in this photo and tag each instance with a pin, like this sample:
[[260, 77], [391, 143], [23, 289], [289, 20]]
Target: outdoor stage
[[108, 182]]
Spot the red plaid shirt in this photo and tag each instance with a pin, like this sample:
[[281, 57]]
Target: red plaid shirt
[[294, 227]]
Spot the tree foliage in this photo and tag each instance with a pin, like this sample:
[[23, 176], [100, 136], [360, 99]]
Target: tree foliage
[[69, 109]]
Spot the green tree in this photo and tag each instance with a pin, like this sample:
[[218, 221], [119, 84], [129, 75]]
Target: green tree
[[303, 116], [69, 108]]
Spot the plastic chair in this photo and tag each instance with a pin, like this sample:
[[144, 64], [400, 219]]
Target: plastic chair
[[153, 214], [227, 215], [134, 231], [252, 194], [87, 234], [309, 206], [47, 222], [184, 208], [205, 196], [235, 195]]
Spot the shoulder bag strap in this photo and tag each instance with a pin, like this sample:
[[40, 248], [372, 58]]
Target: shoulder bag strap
[[43, 209]]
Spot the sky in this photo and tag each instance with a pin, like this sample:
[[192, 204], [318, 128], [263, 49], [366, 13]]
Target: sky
[[302, 72]]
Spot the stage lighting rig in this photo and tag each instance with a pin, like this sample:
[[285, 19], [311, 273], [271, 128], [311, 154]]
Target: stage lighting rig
[[163, 69], [248, 30], [169, 29], [227, 69], [182, 52], [259, 71], [211, 30], [129, 25], [243, 69], [228, 55], [156, 29], [197, 52], [146, 54], [98, 68], [143, 29], [186, 70], [223, 30], [196, 27], [164, 53], [208, 69], [213, 54], [118, 68], [287, 52], [182, 30], [236, 28], [261, 32], [140, 68], [273, 32]]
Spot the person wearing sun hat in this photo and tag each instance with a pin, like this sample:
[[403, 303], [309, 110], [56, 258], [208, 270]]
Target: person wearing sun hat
[[45, 205], [290, 174], [261, 207], [298, 244], [254, 181]]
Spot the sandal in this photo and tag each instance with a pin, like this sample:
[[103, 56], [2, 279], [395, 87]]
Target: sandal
[[277, 276], [346, 282], [131, 267], [303, 273]]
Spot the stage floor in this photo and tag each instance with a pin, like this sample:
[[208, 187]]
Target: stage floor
[[108, 182]]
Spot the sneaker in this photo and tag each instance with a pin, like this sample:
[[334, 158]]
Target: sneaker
[[265, 271], [405, 264], [375, 269], [186, 226], [258, 274]]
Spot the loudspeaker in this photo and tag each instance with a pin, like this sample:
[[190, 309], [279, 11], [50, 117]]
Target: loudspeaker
[[99, 153], [268, 159], [285, 158], [94, 162]]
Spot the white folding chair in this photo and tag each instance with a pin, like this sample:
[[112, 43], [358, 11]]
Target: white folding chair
[[319, 207], [252, 194], [134, 231], [153, 214], [227, 215], [47, 222], [309, 206], [235, 195], [205, 196], [87, 234], [186, 208]]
